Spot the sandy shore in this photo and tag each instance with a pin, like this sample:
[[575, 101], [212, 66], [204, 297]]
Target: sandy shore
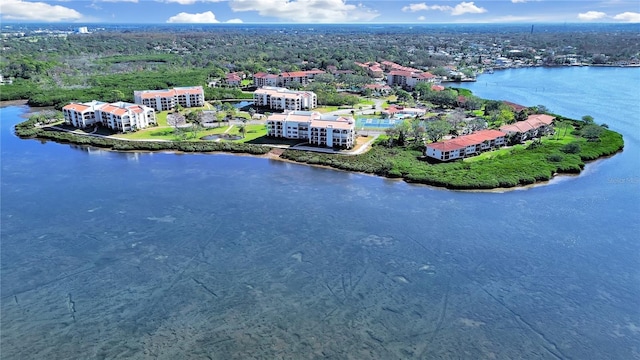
[[13, 103]]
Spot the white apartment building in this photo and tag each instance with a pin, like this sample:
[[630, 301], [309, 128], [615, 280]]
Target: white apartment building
[[277, 98], [167, 99], [408, 79], [119, 116], [314, 127]]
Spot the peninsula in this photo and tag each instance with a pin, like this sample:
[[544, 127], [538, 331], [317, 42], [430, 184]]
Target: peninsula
[[521, 153], [320, 96]]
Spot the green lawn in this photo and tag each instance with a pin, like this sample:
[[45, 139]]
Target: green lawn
[[325, 109], [365, 103], [561, 137], [494, 153], [252, 132], [161, 118], [167, 133]]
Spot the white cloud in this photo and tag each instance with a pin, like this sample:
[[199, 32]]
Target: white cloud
[[460, 9], [424, 7], [115, 1], [203, 18], [307, 11], [415, 7], [234, 21], [36, 11], [422, 18], [628, 17], [467, 8], [187, 2], [592, 15]]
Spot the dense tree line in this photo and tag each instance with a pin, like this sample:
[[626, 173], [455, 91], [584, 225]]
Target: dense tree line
[[158, 57]]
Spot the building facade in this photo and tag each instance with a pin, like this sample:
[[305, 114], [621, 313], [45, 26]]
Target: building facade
[[277, 98], [168, 99], [536, 125], [313, 127], [119, 116], [467, 145]]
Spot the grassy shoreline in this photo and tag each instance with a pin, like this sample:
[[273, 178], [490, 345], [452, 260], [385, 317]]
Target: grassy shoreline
[[519, 166]]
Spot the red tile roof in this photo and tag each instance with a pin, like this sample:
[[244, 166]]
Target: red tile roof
[[294, 74], [533, 122], [400, 73], [464, 141], [426, 75], [76, 107], [514, 106]]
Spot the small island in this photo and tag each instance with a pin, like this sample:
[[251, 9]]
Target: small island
[[451, 139]]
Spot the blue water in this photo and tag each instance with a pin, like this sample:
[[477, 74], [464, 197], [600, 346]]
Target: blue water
[[126, 255]]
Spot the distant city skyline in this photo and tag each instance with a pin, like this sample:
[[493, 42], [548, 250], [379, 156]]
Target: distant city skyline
[[319, 11]]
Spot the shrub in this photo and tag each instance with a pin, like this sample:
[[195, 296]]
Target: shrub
[[555, 157], [571, 148]]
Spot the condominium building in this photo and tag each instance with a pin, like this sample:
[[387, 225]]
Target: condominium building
[[409, 79], [167, 99], [536, 125], [119, 116], [261, 79], [285, 79], [466, 145], [314, 127], [284, 99]]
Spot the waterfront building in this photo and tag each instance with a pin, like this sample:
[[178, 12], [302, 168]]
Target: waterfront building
[[313, 127], [277, 98], [119, 116], [536, 125], [167, 99], [409, 79], [466, 145]]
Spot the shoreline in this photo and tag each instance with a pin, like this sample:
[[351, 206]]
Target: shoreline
[[5, 103], [274, 155]]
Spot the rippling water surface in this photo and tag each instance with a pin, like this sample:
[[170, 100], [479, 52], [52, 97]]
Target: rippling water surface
[[126, 255]]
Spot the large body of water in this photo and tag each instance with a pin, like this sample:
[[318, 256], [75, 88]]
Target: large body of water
[[124, 255]]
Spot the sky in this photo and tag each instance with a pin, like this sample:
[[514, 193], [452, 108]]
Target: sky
[[319, 11]]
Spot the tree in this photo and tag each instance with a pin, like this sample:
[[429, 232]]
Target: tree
[[417, 130], [116, 95], [242, 128], [195, 118], [220, 116], [175, 119], [477, 124], [542, 109], [436, 129], [588, 119], [231, 114], [592, 132], [403, 131], [455, 118], [404, 96]]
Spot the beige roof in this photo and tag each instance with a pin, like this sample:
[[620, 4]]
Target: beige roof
[[342, 125]]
